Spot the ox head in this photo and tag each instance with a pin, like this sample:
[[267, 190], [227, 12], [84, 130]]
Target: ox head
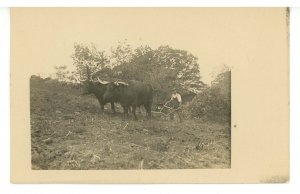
[[94, 86], [114, 90]]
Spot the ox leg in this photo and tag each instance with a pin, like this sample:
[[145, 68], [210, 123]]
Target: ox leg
[[125, 112], [148, 110], [112, 104], [133, 112], [102, 107]]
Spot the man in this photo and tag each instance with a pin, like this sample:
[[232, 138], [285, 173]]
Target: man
[[175, 103]]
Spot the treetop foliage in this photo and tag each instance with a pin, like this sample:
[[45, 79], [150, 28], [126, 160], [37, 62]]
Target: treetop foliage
[[165, 67]]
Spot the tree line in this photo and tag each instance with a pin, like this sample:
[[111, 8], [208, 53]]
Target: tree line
[[164, 68]]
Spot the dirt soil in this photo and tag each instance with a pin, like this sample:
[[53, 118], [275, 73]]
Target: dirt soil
[[68, 131]]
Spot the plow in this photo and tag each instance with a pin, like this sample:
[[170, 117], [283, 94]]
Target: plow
[[165, 109]]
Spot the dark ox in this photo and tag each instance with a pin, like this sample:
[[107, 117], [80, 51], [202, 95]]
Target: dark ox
[[131, 94], [98, 88]]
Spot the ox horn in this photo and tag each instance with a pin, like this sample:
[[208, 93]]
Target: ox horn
[[80, 80], [116, 83], [102, 82], [126, 84]]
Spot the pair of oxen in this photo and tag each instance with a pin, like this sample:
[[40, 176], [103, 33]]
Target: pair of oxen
[[130, 95]]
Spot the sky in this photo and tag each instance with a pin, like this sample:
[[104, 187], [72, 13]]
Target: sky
[[45, 37]]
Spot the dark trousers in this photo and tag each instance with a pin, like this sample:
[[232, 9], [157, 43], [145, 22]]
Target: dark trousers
[[175, 105]]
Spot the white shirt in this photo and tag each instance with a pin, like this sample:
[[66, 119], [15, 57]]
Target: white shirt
[[177, 97]]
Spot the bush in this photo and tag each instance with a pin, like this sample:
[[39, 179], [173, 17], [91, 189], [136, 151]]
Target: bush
[[214, 103]]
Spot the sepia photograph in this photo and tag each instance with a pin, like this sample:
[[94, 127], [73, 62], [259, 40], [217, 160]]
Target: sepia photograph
[[149, 88], [129, 100]]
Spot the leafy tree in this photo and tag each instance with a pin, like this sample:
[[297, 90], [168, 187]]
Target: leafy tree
[[181, 68], [121, 54], [165, 68], [136, 68], [214, 103], [61, 72], [88, 60]]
